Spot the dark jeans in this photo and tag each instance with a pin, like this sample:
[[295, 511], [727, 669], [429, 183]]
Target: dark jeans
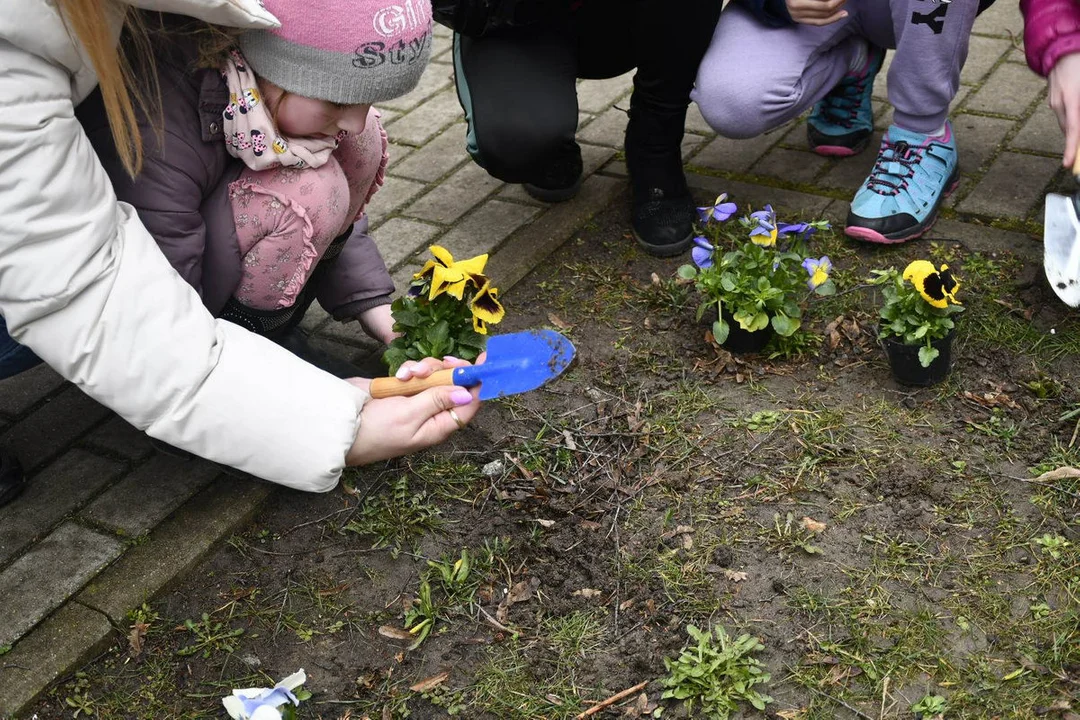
[[14, 358], [518, 86]]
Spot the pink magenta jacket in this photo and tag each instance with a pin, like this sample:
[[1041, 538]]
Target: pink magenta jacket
[[1051, 31]]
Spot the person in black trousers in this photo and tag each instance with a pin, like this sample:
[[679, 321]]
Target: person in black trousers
[[516, 64]]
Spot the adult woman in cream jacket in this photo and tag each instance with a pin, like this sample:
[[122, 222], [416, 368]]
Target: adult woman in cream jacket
[[85, 287]]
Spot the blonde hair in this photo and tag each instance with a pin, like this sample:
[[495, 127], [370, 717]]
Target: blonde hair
[[87, 20]]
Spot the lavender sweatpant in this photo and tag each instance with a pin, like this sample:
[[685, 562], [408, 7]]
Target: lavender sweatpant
[[755, 78]]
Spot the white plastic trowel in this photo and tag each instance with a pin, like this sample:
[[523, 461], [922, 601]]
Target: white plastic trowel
[[1061, 243]]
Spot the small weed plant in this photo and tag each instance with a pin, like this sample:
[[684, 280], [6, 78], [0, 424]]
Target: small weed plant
[[930, 706], [758, 282], [210, 637], [716, 673], [397, 517], [919, 305]]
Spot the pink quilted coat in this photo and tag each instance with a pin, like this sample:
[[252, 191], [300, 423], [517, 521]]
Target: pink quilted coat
[[1051, 30]]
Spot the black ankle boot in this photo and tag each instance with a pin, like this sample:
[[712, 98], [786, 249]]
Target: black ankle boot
[[12, 480], [663, 211]]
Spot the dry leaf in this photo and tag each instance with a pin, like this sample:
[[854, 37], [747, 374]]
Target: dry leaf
[[395, 633], [679, 530], [429, 683], [522, 591], [558, 322], [735, 575], [626, 605], [587, 593], [1062, 473], [687, 541], [554, 699], [545, 523], [135, 637], [813, 525], [569, 438]]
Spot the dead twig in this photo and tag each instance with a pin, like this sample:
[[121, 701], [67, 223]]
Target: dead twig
[[838, 701], [612, 700]]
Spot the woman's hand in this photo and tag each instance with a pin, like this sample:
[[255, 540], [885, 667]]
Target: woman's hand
[[395, 426], [816, 12], [1064, 83]]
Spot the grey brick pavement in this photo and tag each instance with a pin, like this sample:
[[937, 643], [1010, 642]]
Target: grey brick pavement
[[107, 523]]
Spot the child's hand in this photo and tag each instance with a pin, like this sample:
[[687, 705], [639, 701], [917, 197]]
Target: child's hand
[[378, 323], [816, 12], [1064, 82]]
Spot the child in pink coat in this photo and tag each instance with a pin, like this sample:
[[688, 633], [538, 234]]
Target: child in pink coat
[[254, 186]]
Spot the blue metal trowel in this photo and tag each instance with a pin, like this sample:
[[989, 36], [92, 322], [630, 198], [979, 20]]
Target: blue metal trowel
[[516, 363]]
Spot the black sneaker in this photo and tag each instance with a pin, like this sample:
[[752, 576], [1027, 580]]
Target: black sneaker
[[553, 195], [12, 480], [561, 181]]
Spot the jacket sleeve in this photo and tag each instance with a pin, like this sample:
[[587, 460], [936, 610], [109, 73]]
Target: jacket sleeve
[[86, 288], [168, 193], [356, 280], [1051, 31]]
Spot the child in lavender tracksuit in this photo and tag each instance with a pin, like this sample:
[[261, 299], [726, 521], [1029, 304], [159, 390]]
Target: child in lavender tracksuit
[[255, 183], [770, 60]]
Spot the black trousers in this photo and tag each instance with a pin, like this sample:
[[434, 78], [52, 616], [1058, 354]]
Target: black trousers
[[518, 87]]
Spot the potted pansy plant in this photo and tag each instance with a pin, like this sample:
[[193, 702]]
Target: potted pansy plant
[[757, 282], [446, 311], [916, 321]]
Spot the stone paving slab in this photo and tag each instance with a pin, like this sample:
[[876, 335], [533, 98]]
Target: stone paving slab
[[49, 573], [156, 489], [59, 490], [66, 639], [93, 475]]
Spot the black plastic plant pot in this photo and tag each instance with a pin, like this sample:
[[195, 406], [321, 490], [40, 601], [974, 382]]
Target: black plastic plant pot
[[744, 342], [906, 368]]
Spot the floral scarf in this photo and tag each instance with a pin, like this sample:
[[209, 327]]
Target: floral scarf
[[250, 133]]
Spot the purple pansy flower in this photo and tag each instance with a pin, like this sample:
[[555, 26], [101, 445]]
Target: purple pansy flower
[[818, 270], [719, 210], [702, 252]]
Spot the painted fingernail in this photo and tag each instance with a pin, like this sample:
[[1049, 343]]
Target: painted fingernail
[[402, 373], [461, 396], [450, 358]]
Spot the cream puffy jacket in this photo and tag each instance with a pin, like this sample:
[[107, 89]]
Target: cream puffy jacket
[[83, 284]]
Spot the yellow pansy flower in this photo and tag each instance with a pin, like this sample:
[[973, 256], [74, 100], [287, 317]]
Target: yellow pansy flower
[[937, 286], [451, 277], [486, 308]]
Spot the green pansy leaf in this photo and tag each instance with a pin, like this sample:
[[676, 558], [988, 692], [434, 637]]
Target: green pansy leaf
[[720, 331], [927, 355], [784, 325]]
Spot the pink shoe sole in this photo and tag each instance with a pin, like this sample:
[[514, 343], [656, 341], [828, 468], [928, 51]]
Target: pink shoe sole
[[873, 236], [835, 151]]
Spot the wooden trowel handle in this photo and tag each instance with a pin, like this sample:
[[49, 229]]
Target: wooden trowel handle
[[385, 387], [1076, 166]]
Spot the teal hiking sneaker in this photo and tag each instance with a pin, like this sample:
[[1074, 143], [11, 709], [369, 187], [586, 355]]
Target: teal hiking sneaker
[[913, 174], [841, 124]]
